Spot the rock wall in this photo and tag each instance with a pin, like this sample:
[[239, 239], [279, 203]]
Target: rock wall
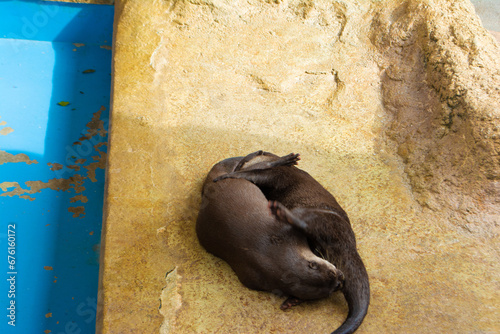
[[394, 108], [440, 83]]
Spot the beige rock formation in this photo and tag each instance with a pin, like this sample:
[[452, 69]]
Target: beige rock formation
[[394, 106]]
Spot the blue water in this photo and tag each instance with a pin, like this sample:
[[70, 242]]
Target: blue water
[[44, 50]]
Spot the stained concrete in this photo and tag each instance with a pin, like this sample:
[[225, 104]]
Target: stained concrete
[[394, 107]]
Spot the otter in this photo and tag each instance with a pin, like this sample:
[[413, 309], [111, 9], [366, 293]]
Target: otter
[[235, 224], [297, 199]]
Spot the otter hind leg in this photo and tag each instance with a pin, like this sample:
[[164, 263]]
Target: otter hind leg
[[254, 176], [262, 173], [286, 160], [247, 159]]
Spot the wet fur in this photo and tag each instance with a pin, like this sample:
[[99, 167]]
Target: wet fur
[[299, 200]]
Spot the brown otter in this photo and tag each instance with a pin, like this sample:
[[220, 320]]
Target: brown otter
[[235, 224], [298, 199]]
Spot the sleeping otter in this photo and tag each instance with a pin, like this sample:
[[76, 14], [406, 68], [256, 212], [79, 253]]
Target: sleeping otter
[[299, 200], [235, 224]]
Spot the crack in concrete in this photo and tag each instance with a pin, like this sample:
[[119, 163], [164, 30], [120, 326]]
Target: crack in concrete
[[170, 301]]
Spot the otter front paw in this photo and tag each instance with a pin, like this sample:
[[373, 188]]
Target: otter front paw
[[280, 212], [289, 303]]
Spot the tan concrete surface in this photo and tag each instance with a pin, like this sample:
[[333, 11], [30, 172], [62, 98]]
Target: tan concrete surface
[[394, 107]]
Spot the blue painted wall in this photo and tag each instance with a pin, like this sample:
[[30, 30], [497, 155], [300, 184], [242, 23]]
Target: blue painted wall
[[52, 157]]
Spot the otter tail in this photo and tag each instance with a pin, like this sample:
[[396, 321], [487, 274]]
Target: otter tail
[[357, 294]]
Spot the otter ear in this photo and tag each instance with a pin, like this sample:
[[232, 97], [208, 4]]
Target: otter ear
[[313, 265]]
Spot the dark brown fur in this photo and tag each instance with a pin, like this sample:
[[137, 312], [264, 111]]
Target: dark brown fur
[[298, 199], [235, 224]]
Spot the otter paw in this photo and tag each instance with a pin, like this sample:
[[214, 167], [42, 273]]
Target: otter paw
[[279, 211], [289, 303], [288, 160]]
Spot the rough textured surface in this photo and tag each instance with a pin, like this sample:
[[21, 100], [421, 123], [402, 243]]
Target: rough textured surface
[[394, 107]]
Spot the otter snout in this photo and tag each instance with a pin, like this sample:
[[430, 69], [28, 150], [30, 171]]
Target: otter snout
[[337, 279]]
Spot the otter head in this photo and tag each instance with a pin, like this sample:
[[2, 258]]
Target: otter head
[[311, 278]]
